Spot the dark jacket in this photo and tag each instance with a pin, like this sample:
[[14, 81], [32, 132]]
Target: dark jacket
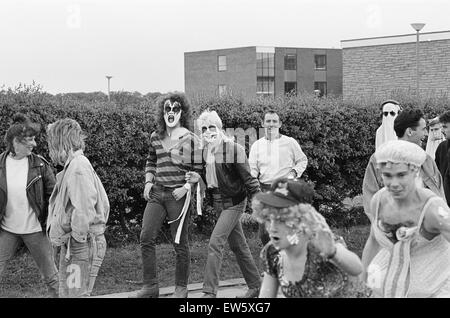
[[233, 173], [40, 183]]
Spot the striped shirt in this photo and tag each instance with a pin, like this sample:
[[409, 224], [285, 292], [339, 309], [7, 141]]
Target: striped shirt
[[169, 166]]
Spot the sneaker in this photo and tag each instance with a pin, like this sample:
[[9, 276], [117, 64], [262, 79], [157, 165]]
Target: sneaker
[[180, 292], [251, 293], [146, 292], [209, 295]]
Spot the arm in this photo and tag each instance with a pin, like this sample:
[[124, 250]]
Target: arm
[[300, 159], [371, 183], [269, 287], [83, 197], [243, 169], [371, 249], [253, 160], [150, 169], [346, 260]]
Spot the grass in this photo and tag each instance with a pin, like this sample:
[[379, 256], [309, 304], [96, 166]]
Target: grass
[[121, 270]]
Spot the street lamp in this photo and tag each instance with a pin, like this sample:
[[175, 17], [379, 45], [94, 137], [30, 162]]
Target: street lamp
[[109, 93], [417, 27]]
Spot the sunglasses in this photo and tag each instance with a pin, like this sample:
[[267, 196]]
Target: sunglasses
[[392, 113], [210, 127], [168, 107]]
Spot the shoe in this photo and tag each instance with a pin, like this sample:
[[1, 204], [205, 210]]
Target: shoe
[[251, 293], [180, 292], [146, 292], [209, 295]]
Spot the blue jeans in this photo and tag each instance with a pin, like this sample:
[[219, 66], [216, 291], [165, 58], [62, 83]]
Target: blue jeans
[[40, 249], [79, 268], [229, 228], [163, 205]]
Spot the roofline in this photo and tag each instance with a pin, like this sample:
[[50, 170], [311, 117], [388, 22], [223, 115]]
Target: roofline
[[264, 46]]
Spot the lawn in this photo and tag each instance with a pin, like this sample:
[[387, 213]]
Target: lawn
[[122, 269]]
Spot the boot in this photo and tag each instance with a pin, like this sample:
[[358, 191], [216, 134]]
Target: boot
[[146, 292], [180, 292], [251, 293]]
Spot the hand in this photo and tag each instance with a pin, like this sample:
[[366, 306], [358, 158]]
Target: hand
[[321, 236], [178, 193], [147, 189], [292, 174], [192, 177]]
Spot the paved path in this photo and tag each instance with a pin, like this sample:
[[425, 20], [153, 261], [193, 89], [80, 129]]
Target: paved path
[[227, 289]]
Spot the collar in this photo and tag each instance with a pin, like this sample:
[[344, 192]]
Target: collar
[[279, 136], [73, 155]]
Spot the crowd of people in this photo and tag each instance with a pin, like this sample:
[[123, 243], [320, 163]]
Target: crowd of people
[[406, 195]]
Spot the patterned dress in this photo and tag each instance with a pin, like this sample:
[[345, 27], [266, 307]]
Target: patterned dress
[[321, 279]]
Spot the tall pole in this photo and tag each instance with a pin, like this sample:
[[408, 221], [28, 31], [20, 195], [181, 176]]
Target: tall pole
[[417, 27], [109, 91]]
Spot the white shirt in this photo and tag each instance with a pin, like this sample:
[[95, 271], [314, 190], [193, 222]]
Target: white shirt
[[19, 216], [273, 159]]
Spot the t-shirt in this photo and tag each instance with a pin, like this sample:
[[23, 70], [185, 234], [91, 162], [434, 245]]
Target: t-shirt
[[19, 216]]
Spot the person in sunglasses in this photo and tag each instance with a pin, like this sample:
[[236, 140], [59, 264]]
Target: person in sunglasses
[[385, 132], [409, 125], [171, 159], [228, 179]]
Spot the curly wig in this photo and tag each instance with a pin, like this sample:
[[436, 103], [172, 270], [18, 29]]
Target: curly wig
[[186, 114]]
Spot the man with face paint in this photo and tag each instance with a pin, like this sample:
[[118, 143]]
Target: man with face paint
[[409, 125], [442, 153], [386, 131], [228, 179], [275, 156], [172, 158], [435, 137]]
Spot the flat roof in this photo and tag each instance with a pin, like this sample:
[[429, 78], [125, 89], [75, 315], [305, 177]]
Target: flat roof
[[396, 39]]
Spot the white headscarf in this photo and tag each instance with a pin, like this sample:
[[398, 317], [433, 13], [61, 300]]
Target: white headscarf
[[434, 138], [386, 131]]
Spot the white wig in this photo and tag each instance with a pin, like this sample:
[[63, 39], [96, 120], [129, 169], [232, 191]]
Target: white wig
[[209, 117], [400, 151]]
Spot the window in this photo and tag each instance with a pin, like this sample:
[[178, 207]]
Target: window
[[222, 90], [222, 63], [290, 88], [290, 62], [320, 62], [265, 74], [320, 88]]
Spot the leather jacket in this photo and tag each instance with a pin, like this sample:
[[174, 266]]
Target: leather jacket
[[40, 183], [233, 173]]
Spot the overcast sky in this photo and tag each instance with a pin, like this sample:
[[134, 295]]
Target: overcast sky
[[70, 46]]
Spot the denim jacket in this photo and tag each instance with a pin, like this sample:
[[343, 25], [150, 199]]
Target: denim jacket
[[79, 204], [40, 183]]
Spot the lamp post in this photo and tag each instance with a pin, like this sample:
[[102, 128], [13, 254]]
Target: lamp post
[[109, 93], [417, 27]]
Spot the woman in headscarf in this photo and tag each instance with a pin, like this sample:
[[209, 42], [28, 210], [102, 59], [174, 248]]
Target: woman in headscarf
[[408, 250]]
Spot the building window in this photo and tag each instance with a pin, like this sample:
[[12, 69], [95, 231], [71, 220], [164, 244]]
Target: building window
[[290, 62], [265, 74], [222, 63], [320, 88], [222, 90], [320, 62], [290, 88]]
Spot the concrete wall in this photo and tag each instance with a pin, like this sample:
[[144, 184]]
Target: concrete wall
[[201, 75], [379, 70]]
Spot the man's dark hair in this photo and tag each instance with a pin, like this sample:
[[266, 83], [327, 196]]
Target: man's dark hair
[[445, 117], [269, 111], [407, 119]]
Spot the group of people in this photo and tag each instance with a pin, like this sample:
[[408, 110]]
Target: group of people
[[67, 212], [405, 195]]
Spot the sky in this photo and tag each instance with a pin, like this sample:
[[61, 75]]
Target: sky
[[70, 46]]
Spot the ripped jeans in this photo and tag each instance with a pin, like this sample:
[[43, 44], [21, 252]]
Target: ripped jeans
[[79, 264]]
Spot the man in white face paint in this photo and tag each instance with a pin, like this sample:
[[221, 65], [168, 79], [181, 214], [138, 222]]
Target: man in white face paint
[[171, 162], [386, 131]]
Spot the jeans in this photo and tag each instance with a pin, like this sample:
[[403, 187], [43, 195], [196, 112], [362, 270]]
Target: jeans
[[163, 205], [79, 267], [40, 249], [262, 232], [229, 228]]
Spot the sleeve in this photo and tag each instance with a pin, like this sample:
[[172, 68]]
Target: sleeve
[[300, 159], [371, 184], [243, 168], [437, 154], [253, 160], [268, 257], [49, 183], [150, 163], [83, 197]]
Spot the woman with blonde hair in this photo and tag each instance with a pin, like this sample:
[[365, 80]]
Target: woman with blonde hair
[[78, 211], [408, 251]]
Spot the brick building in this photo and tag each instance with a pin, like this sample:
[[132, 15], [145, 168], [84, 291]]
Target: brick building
[[378, 66], [264, 71]]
